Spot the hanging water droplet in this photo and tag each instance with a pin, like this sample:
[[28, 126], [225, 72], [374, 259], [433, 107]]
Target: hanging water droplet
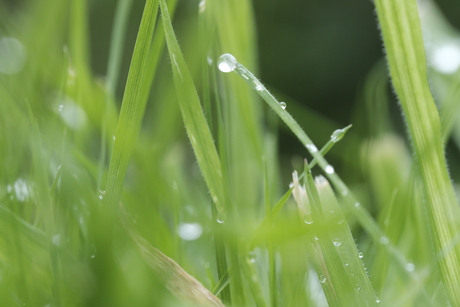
[[220, 217], [307, 218], [337, 242], [329, 169], [226, 63], [311, 147], [383, 240], [283, 105], [360, 254], [190, 231], [322, 279], [410, 267]]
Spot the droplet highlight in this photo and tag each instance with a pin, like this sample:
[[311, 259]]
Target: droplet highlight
[[322, 279], [311, 147], [329, 169], [410, 267], [337, 242], [283, 105], [226, 63], [190, 231]]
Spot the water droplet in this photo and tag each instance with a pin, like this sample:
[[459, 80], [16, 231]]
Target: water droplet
[[226, 63], [283, 105], [21, 189], [410, 267], [341, 222], [209, 60], [12, 56], [360, 254], [60, 107], [307, 218], [252, 260], [357, 287], [377, 300], [311, 147], [329, 169], [322, 279], [337, 135], [337, 242], [202, 6], [93, 256], [446, 58], [291, 185], [346, 264], [357, 205], [220, 217], [383, 240], [101, 195], [71, 113], [56, 240], [114, 138], [316, 238], [260, 88], [345, 192], [190, 231]]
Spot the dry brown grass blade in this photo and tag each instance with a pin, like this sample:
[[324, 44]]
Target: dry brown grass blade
[[184, 286]]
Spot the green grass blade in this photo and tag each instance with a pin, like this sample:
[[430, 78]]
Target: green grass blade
[[192, 113], [402, 37], [132, 108]]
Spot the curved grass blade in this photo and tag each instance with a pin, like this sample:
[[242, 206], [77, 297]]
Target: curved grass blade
[[403, 41]]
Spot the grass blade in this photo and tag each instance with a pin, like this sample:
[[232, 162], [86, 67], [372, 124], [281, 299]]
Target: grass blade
[[403, 41]]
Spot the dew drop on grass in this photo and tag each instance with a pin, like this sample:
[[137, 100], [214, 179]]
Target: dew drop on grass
[[252, 260], [93, 256], [220, 217], [322, 279], [202, 6], [410, 267], [337, 242], [260, 88], [357, 287], [329, 169], [307, 218], [316, 238], [377, 300], [226, 63], [357, 205], [312, 148], [283, 105], [337, 135], [383, 240], [190, 231], [360, 254]]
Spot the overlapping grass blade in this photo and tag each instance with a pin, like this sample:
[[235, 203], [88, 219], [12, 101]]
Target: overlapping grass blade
[[402, 37], [132, 109]]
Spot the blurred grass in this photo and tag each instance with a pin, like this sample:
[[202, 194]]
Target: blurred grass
[[193, 155]]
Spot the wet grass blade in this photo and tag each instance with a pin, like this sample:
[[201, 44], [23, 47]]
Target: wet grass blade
[[403, 41]]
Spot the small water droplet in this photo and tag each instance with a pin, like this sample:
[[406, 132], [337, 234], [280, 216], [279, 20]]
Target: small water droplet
[[93, 256], [202, 6], [337, 242], [60, 107], [377, 300], [329, 169], [410, 267], [209, 60], [345, 192], [311, 147], [357, 205], [307, 218], [260, 88], [114, 138], [346, 264], [357, 287], [13, 56], [190, 231], [360, 254], [221, 217], [383, 240], [283, 105], [101, 195], [252, 260], [337, 135], [226, 63], [316, 238], [322, 279], [56, 240]]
